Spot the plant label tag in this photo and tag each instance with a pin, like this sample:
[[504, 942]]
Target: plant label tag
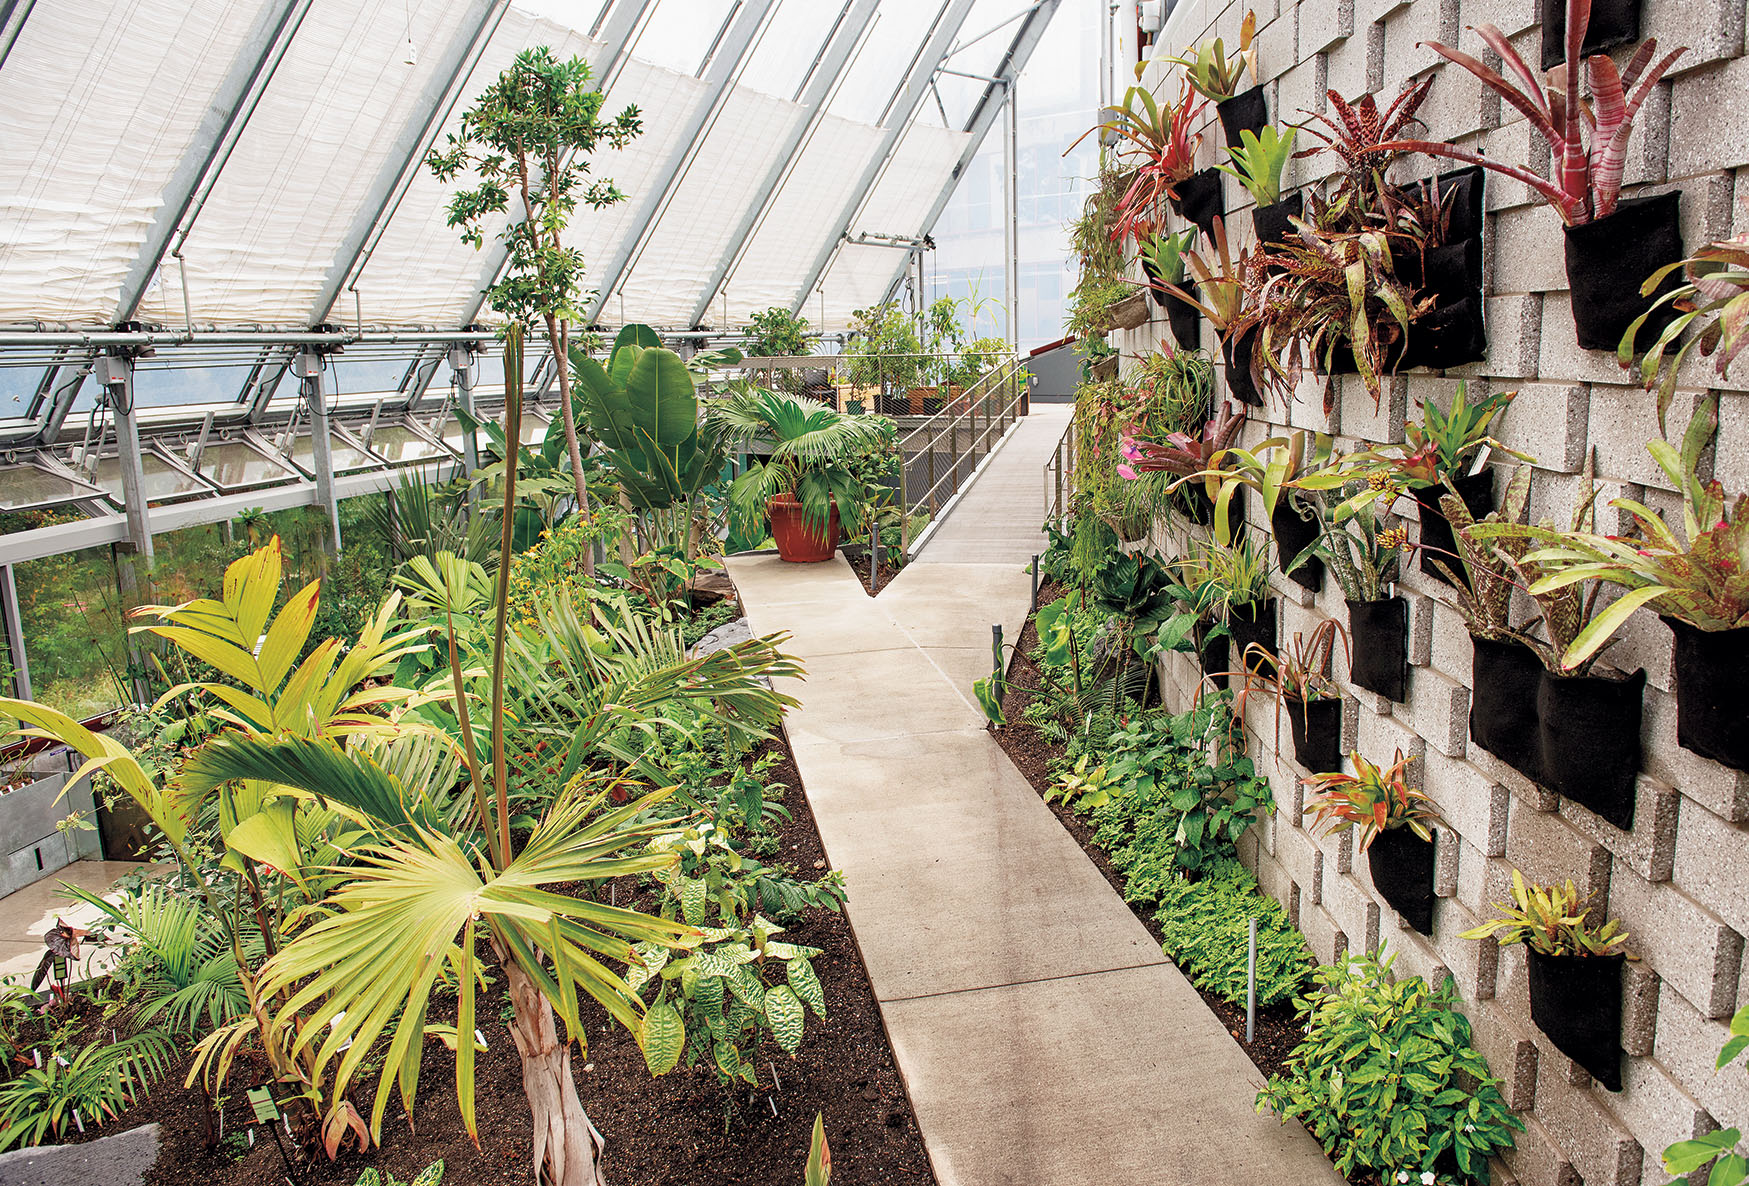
[[261, 1100]]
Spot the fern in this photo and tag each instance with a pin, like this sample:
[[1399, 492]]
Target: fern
[[94, 1085]]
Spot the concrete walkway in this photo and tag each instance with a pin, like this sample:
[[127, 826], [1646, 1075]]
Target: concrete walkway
[[1044, 1039]]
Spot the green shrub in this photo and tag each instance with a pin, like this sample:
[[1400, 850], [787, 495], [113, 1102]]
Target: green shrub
[[1205, 927], [1387, 1079]]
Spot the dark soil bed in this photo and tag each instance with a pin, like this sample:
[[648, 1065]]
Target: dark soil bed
[[856, 555], [680, 1130], [1277, 1030]]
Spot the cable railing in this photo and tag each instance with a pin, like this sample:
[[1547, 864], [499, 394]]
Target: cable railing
[[944, 451], [891, 384], [1059, 476]]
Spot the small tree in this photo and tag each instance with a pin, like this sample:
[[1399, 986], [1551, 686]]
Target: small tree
[[528, 137]]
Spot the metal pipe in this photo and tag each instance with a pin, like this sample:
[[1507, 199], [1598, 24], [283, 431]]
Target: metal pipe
[[1251, 985], [98, 339]]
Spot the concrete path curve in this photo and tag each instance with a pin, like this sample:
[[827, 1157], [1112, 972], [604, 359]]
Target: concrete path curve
[[1044, 1039]]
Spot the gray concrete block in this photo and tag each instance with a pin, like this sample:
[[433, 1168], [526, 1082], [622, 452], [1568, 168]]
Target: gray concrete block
[[1599, 1145], [1720, 789], [1695, 952], [1548, 422], [1639, 1008], [1514, 322], [1438, 708], [1511, 1055], [1658, 1111], [1712, 30], [1536, 1160], [1548, 850], [1470, 802], [1710, 99], [1712, 865], [1688, 1045], [1650, 846], [1527, 249]]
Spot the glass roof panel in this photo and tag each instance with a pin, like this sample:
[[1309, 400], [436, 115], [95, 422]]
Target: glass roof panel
[[781, 60], [235, 466], [870, 81], [679, 33], [347, 457], [18, 387], [30, 488], [400, 445], [164, 482], [178, 381]]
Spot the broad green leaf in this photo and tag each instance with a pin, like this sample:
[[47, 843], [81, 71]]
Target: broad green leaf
[[663, 1038], [784, 1012]]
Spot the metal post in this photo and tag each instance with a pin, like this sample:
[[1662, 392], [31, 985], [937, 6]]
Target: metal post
[[1033, 604], [116, 373], [309, 373], [14, 634], [1251, 985], [930, 445], [874, 552], [996, 651], [1011, 214]]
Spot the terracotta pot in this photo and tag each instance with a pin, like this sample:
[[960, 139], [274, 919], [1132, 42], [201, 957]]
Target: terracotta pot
[[796, 542]]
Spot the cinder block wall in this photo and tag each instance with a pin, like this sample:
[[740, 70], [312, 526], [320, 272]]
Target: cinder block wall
[[1680, 879]]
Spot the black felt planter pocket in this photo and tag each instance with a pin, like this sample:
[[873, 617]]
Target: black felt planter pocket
[[1576, 1001], [1253, 624], [1712, 695], [1186, 322], [1317, 731], [1237, 351], [1272, 223], [1612, 23], [1200, 198], [1609, 258], [1589, 737], [1294, 535], [1447, 336], [1402, 872], [1503, 712], [1211, 655], [1244, 112], [1379, 631], [1437, 541]]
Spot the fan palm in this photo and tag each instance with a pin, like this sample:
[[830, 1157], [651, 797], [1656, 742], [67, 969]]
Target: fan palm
[[358, 983], [813, 446]]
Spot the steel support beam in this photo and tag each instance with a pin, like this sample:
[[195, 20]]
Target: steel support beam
[[719, 77], [904, 110], [983, 117], [13, 14], [1011, 213], [116, 373], [224, 118], [309, 371], [14, 634], [442, 90], [851, 26], [616, 35]]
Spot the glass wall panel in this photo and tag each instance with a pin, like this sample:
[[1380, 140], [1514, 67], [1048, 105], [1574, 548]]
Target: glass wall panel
[[70, 616]]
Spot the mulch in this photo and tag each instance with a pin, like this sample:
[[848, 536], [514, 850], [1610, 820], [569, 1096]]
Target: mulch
[[856, 555], [683, 1129], [1277, 1031]]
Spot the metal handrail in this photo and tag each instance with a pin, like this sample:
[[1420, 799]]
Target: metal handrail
[[1010, 375], [1059, 475]]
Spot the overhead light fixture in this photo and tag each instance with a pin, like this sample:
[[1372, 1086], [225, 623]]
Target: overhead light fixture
[[412, 58]]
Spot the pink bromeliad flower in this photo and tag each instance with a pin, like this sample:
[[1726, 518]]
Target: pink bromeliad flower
[[1126, 472]]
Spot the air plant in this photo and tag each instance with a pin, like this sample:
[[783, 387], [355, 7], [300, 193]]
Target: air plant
[[1589, 142]]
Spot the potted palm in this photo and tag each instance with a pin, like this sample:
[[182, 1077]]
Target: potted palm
[[1612, 244], [1575, 971], [1588, 718], [1393, 825], [1505, 671], [1699, 587], [806, 487]]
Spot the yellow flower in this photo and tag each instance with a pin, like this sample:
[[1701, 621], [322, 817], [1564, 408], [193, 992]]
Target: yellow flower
[[1393, 537], [1379, 481]]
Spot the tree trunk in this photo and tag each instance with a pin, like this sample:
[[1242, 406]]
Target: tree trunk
[[566, 1144], [559, 338]]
